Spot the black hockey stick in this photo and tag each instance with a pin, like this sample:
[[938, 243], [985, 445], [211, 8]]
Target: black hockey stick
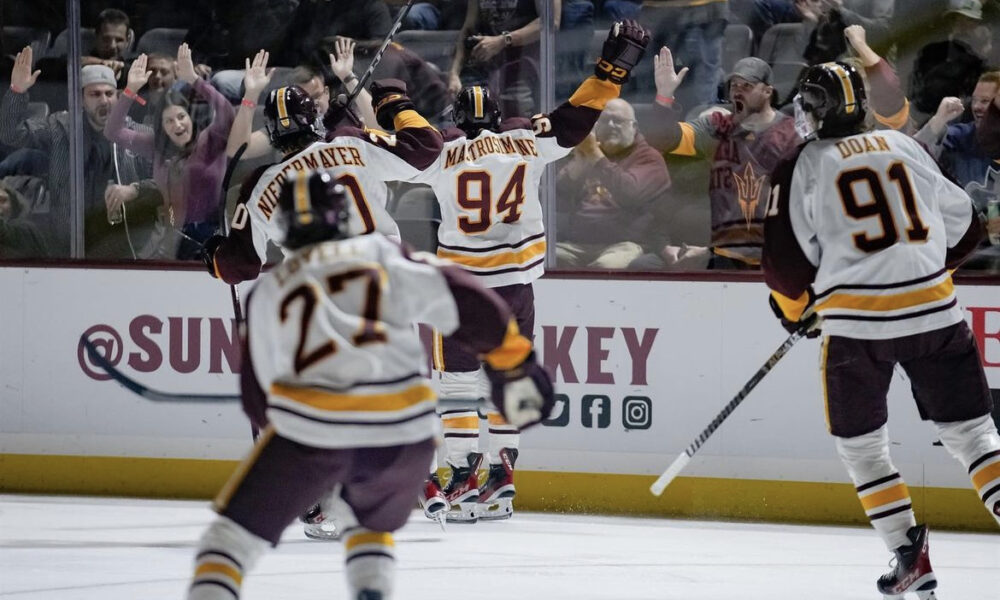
[[378, 55], [682, 460], [224, 225], [153, 395]]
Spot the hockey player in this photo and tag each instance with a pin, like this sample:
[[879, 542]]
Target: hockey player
[[332, 377], [486, 180], [862, 229], [362, 160]]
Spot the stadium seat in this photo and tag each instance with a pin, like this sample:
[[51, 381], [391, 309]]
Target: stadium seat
[[38, 110], [737, 44], [162, 40], [60, 47], [435, 47], [16, 38], [782, 43], [785, 78], [417, 213]]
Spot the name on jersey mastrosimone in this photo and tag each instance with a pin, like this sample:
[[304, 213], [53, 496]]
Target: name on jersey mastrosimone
[[326, 157], [504, 144]]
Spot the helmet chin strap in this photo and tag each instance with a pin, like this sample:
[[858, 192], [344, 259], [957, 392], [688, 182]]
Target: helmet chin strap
[[805, 123]]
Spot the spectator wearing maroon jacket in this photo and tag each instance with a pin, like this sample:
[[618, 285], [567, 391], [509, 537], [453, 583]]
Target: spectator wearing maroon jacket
[[610, 182]]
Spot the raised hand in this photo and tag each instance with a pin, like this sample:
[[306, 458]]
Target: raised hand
[[257, 76], [21, 77], [342, 60], [137, 74], [950, 109], [185, 67], [667, 80], [622, 51]]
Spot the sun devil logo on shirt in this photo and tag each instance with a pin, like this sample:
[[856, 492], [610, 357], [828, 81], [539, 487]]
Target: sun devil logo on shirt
[[748, 189]]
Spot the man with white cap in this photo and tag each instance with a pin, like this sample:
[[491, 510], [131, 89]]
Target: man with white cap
[[102, 162]]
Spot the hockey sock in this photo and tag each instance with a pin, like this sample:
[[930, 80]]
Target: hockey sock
[[461, 426], [881, 489], [502, 435], [976, 445], [225, 553], [370, 561]]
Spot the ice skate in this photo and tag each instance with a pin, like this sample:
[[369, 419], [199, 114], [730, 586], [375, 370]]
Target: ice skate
[[462, 492], [496, 498], [433, 501], [912, 573], [319, 526]]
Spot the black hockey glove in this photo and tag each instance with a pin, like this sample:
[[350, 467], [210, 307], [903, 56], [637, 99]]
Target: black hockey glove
[[810, 320], [388, 98], [622, 51], [340, 114], [524, 394], [208, 252]]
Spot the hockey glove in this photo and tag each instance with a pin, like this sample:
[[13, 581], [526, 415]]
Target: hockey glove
[[523, 394], [388, 99], [208, 252], [810, 320], [622, 51]]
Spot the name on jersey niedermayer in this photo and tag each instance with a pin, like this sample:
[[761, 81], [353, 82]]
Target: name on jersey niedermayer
[[862, 144], [504, 144], [326, 157]]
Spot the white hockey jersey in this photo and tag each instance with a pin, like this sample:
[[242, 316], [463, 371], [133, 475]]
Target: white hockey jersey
[[332, 343], [361, 160], [488, 187], [873, 226]]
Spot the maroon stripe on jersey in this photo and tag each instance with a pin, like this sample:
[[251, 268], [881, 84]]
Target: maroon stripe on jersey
[[461, 435], [912, 315], [331, 421], [509, 270], [990, 492], [889, 513], [335, 390], [217, 584], [872, 484], [983, 459], [880, 286], [492, 248]]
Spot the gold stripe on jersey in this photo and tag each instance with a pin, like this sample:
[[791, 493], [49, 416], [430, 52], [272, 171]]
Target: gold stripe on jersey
[[897, 120], [882, 498], [594, 93], [378, 538], [470, 422], [333, 402], [303, 214], [226, 493], [282, 108], [212, 568], [495, 418], [437, 351], [477, 102], [986, 474], [791, 308], [512, 351], [410, 118], [824, 357], [496, 259], [888, 302], [686, 146]]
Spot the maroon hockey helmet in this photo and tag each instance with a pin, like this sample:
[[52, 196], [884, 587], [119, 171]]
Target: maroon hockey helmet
[[832, 96], [291, 118], [314, 209], [476, 109]]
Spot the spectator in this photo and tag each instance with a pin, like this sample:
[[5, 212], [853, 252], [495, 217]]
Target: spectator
[[434, 15], [498, 47], [100, 158], [112, 39], [19, 238], [610, 182], [824, 20], [694, 31], [162, 77], [188, 159], [951, 67]]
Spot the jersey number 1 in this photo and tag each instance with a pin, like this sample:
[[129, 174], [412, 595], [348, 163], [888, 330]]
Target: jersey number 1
[[879, 206], [510, 199]]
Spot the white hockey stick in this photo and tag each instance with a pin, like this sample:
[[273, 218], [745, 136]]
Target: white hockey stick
[[158, 396], [684, 458]]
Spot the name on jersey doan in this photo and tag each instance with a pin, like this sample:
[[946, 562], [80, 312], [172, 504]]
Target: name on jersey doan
[[184, 344], [325, 156], [476, 149]]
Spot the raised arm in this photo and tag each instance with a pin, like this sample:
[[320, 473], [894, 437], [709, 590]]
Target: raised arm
[[140, 142], [468, 28], [415, 140], [889, 103], [15, 129], [342, 65], [222, 122], [257, 78]]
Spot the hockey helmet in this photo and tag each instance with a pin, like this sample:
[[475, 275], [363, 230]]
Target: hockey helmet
[[476, 109], [831, 101], [313, 207], [290, 116]]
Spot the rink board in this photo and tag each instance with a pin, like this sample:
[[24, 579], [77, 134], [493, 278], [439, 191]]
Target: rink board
[[641, 366]]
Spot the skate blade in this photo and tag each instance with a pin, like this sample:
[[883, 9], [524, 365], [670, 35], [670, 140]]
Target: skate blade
[[497, 510], [463, 513], [317, 532], [441, 519]]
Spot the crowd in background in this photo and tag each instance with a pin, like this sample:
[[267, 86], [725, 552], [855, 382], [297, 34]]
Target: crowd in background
[[673, 177]]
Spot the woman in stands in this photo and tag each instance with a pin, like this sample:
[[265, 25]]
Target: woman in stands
[[189, 157]]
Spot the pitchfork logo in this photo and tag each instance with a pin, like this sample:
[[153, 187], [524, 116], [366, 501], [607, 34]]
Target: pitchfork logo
[[748, 188], [107, 342]]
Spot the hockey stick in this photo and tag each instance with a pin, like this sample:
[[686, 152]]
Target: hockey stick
[[378, 55], [224, 224], [153, 395], [682, 460]]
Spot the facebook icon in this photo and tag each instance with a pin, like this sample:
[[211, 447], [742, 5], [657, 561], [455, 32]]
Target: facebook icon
[[596, 411]]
